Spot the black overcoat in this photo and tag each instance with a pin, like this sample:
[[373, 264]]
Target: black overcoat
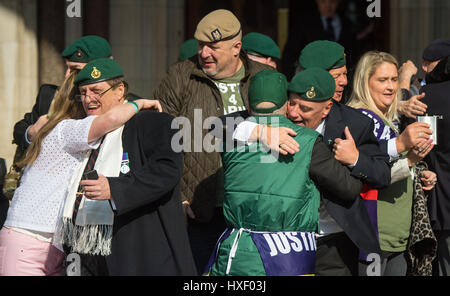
[[372, 168], [149, 234], [437, 100]]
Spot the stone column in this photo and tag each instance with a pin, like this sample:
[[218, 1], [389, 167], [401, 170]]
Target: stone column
[[414, 24], [18, 65], [145, 38]]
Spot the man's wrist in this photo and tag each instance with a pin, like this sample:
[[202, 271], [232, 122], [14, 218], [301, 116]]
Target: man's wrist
[[351, 166], [399, 145]]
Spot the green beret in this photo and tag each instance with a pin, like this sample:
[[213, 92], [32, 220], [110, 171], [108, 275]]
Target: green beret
[[86, 49], [188, 49], [99, 70], [323, 54], [313, 84], [219, 25], [267, 86], [260, 44]]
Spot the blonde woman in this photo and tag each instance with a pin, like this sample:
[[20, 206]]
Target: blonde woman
[[376, 95], [56, 152]]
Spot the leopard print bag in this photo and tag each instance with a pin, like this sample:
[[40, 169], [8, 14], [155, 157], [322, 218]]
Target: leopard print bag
[[422, 243]]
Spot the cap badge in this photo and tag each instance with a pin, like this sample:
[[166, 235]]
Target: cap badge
[[79, 53], [216, 35], [311, 93], [96, 73]]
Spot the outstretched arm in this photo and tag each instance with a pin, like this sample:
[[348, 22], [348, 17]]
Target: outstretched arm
[[117, 116]]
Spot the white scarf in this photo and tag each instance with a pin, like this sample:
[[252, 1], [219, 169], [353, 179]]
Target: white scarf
[[92, 232]]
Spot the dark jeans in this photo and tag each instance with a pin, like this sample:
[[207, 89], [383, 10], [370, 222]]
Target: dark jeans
[[336, 255], [203, 238]]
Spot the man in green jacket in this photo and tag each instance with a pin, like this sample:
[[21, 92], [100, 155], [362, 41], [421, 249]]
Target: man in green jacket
[[271, 201], [212, 83]]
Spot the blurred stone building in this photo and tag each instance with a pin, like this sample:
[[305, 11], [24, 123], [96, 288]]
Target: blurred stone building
[[145, 36]]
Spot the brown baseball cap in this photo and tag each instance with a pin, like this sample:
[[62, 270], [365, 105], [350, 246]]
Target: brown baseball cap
[[219, 25]]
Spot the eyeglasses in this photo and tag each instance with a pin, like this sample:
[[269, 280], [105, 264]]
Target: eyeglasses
[[93, 96]]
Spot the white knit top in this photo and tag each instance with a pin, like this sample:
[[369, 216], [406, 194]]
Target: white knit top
[[43, 188]]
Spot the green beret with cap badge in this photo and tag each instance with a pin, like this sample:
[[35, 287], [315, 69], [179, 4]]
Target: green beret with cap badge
[[86, 49], [260, 44], [267, 86], [99, 70], [323, 54], [313, 84], [219, 25]]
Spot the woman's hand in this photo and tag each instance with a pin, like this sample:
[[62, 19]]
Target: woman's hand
[[418, 152], [429, 180]]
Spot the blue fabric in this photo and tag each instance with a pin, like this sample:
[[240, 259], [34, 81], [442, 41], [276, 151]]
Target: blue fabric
[[286, 253]]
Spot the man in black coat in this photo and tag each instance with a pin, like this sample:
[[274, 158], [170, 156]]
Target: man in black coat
[[436, 98], [323, 24], [347, 228], [149, 235]]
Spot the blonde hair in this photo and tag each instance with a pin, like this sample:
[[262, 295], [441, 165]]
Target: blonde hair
[[64, 106], [361, 97]]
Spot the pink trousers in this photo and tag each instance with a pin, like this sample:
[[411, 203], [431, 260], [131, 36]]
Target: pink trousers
[[24, 255]]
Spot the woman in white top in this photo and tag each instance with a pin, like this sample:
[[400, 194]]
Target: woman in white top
[[56, 152]]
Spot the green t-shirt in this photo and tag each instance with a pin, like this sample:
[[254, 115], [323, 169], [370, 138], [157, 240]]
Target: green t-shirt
[[394, 215], [230, 92]]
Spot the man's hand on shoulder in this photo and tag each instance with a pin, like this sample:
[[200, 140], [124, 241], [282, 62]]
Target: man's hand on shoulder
[[279, 139]]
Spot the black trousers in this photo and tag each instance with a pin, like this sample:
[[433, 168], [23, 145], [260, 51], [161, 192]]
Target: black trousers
[[203, 238], [336, 255], [90, 265]]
